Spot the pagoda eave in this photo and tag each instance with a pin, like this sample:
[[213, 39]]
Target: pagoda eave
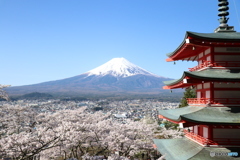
[[190, 51], [179, 85], [194, 43], [203, 115], [184, 148], [194, 122], [190, 122], [208, 75], [174, 121], [233, 37]]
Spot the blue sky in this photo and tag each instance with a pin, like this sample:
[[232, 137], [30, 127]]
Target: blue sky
[[44, 40]]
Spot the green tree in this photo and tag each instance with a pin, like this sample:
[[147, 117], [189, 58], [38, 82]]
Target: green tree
[[189, 93]]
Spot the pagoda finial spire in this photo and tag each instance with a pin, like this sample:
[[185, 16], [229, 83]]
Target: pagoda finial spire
[[223, 8], [223, 12]]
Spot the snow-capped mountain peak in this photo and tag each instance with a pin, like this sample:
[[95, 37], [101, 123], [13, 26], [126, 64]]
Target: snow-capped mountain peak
[[116, 76], [118, 67]]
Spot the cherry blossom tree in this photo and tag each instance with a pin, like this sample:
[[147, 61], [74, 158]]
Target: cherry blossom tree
[[98, 134], [22, 137], [3, 93], [26, 134]]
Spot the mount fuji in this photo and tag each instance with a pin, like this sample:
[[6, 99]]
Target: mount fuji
[[118, 67], [116, 76]]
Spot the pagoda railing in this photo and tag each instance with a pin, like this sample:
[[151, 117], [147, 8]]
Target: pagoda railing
[[216, 64], [232, 101], [202, 65], [198, 100], [215, 141], [199, 139]]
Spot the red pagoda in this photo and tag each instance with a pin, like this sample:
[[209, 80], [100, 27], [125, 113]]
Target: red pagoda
[[211, 121]]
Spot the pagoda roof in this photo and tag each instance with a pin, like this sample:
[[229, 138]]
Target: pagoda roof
[[220, 36], [184, 148], [202, 41], [223, 75], [204, 115]]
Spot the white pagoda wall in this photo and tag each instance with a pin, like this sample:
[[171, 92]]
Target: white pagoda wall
[[203, 90], [195, 129], [205, 132]]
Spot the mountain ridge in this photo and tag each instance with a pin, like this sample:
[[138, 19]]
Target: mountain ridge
[[116, 76]]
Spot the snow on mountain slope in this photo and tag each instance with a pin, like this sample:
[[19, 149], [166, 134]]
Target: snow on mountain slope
[[119, 67]]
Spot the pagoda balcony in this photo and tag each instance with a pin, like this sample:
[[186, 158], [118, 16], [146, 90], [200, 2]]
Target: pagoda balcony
[[198, 101], [216, 101], [200, 66], [199, 139], [215, 141], [215, 64]]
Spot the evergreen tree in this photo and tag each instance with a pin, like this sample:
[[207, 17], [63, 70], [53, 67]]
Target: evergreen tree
[[189, 93]]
